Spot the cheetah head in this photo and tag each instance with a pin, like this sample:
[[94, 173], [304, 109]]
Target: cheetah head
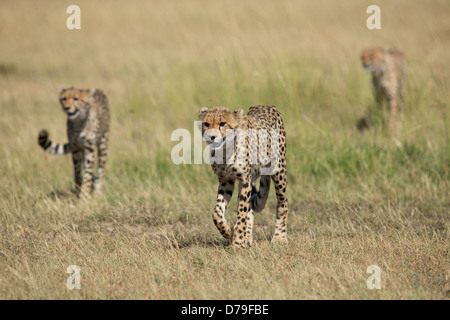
[[75, 102], [218, 123], [372, 58]]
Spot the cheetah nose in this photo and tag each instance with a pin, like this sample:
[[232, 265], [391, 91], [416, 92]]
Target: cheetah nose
[[212, 138]]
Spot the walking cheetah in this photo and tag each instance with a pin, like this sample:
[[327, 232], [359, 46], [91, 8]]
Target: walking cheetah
[[87, 128], [256, 144], [388, 69]]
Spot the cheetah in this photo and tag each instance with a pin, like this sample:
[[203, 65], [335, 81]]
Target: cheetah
[[244, 147], [88, 122], [388, 70]]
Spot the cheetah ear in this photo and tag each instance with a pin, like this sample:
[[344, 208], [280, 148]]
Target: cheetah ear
[[238, 113], [61, 90], [92, 91], [203, 111]]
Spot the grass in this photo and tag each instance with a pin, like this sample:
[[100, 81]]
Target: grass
[[355, 199]]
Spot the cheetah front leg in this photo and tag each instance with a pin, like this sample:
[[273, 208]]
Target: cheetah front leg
[[226, 188], [250, 217], [249, 233], [89, 157], [243, 225], [77, 159], [394, 114]]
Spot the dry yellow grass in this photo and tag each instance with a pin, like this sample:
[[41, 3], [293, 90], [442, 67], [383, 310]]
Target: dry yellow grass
[[356, 200]]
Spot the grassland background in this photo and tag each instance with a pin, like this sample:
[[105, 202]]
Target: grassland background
[[355, 199]]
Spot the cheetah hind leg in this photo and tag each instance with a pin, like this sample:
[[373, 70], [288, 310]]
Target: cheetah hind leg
[[282, 209], [259, 198], [102, 153]]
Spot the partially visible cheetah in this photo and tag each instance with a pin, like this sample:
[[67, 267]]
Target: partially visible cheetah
[[256, 144], [388, 69], [87, 128]]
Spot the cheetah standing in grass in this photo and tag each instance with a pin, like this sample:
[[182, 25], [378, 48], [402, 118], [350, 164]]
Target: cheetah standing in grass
[[87, 128], [256, 144], [388, 69]]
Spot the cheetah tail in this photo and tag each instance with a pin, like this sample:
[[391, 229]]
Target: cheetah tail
[[259, 198], [51, 147]]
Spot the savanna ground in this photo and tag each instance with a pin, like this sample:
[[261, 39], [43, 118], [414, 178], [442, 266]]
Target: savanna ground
[[355, 199]]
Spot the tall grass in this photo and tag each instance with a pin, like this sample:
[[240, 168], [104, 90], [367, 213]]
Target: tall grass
[[355, 199]]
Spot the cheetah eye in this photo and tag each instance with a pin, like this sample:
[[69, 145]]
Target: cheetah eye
[[206, 124], [222, 124], [64, 99], [75, 99]]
